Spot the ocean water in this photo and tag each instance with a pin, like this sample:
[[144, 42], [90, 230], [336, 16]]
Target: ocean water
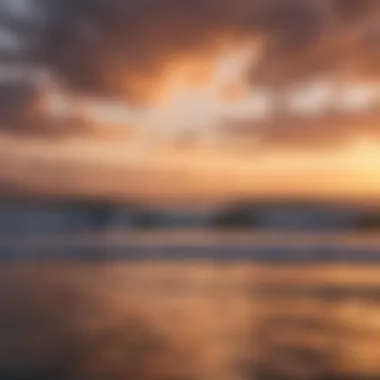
[[190, 305]]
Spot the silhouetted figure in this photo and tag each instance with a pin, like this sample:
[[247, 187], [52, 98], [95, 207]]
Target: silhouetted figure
[[236, 217], [369, 222], [100, 217], [99, 223], [146, 219]]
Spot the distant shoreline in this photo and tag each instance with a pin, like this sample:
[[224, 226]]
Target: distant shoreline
[[270, 247]]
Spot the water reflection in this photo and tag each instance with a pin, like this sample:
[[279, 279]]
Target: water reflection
[[196, 317]]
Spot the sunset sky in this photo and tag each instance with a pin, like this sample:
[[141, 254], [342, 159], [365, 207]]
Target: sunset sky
[[298, 81]]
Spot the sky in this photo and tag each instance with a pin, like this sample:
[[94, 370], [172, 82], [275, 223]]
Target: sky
[[266, 90]]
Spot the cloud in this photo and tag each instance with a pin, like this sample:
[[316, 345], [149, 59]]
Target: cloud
[[117, 47], [344, 39], [129, 48]]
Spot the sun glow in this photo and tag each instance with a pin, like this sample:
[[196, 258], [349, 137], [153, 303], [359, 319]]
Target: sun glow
[[205, 101], [364, 153]]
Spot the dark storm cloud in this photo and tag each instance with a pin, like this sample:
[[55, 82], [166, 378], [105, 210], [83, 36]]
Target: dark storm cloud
[[119, 47], [346, 39]]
